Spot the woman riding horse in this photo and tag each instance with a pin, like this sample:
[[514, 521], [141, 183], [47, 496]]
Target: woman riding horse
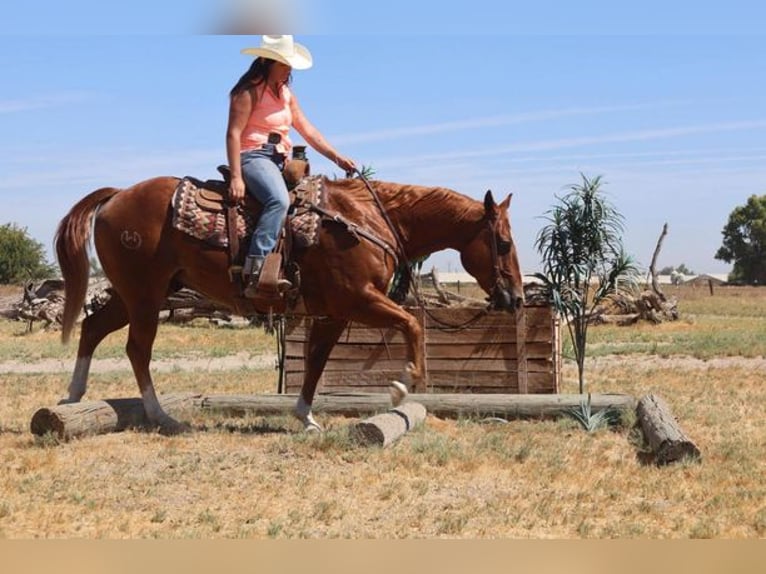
[[261, 112]]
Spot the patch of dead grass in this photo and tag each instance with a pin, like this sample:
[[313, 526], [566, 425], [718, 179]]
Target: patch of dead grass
[[260, 477]]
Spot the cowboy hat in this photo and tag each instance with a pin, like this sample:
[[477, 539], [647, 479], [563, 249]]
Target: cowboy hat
[[281, 47]]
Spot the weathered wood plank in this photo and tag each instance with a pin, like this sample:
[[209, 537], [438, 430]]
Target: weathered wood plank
[[505, 333], [436, 317], [663, 433], [451, 350], [437, 378], [386, 428], [509, 406], [523, 358], [434, 365], [438, 382]]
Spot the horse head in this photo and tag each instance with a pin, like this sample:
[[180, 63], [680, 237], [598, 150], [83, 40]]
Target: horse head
[[492, 259]]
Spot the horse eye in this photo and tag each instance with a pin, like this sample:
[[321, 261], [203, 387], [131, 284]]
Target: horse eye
[[503, 247]]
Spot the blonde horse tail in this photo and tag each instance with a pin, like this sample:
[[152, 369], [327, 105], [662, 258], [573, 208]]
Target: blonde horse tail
[[71, 242]]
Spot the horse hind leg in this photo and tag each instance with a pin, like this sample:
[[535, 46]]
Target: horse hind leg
[[141, 334], [95, 327]]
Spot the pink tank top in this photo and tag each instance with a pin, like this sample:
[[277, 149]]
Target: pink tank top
[[270, 114]]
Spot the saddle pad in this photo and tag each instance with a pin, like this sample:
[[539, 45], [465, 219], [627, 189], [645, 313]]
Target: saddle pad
[[209, 225], [304, 222], [205, 224]]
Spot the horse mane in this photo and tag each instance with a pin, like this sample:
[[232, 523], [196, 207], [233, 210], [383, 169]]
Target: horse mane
[[431, 202]]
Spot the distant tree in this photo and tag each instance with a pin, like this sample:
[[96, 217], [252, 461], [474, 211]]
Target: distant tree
[[669, 269], [583, 259], [744, 242], [21, 257]]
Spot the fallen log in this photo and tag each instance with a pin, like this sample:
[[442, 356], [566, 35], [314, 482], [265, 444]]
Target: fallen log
[[386, 428], [661, 430], [445, 405], [99, 417]]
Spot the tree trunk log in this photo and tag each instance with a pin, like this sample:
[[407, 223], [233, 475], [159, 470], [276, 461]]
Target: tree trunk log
[[666, 439], [99, 417], [386, 428], [445, 405], [652, 267]]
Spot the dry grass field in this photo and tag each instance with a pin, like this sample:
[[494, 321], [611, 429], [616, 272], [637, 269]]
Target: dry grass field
[[260, 477]]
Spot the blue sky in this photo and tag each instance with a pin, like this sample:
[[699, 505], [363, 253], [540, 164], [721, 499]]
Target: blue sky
[[668, 107]]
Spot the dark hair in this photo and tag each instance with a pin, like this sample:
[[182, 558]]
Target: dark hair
[[256, 74]]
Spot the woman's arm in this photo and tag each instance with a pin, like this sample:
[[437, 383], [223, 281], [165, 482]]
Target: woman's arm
[[240, 107], [316, 140]]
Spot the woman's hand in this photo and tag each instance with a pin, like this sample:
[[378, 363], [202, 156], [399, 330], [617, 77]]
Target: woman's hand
[[237, 189], [346, 164]]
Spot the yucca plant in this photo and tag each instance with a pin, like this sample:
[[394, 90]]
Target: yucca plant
[[592, 422], [367, 171], [584, 262]]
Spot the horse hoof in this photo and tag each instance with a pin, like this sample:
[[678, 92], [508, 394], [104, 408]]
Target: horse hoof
[[68, 402], [312, 428], [398, 392], [172, 427]]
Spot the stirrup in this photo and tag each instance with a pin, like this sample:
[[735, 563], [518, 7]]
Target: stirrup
[[251, 288]]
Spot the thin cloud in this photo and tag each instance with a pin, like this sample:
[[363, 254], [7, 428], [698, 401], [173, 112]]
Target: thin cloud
[[556, 144], [38, 103], [489, 122], [111, 167]]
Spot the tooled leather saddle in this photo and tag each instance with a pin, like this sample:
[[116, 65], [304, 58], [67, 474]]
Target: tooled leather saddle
[[203, 210]]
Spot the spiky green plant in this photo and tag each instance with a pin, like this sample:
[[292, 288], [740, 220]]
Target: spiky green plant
[[584, 262], [367, 171], [590, 421]]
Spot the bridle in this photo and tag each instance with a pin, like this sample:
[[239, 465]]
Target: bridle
[[498, 295]]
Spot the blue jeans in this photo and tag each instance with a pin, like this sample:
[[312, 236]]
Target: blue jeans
[[262, 172]]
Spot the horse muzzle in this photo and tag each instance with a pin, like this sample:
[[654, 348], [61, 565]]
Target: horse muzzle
[[503, 299]]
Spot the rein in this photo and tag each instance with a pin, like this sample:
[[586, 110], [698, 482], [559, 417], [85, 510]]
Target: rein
[[354, 229], [384, 213], [413, 284]]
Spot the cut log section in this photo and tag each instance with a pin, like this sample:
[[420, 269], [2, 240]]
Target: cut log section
[[99, 417], [661, 430], [386, 428]]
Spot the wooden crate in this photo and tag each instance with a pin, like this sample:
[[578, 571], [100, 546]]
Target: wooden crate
[[466, 350]]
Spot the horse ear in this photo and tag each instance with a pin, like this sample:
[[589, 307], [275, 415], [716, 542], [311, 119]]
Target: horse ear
[[489, 201], [506, 203]]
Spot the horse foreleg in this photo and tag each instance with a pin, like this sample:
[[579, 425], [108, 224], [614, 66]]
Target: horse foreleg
[[107, 319], [380, 311], [323, 335], [143, 330]]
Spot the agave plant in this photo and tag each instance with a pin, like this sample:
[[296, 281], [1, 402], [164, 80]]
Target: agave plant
[[583, 259], [592, 422]]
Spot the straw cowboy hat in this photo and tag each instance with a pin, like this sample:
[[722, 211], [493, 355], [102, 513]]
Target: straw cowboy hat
[[282, 48]]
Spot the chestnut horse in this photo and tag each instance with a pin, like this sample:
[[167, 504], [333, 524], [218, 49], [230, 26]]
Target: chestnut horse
[[344, 275]]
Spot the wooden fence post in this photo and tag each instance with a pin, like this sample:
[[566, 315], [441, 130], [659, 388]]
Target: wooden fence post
[[521, 350]]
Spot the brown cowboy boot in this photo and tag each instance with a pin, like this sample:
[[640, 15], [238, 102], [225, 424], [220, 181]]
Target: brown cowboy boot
[[251, 272]]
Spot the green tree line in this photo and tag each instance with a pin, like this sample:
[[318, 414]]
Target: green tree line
[[21, 257]]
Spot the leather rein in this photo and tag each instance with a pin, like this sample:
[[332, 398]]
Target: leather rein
[[497, 277]]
